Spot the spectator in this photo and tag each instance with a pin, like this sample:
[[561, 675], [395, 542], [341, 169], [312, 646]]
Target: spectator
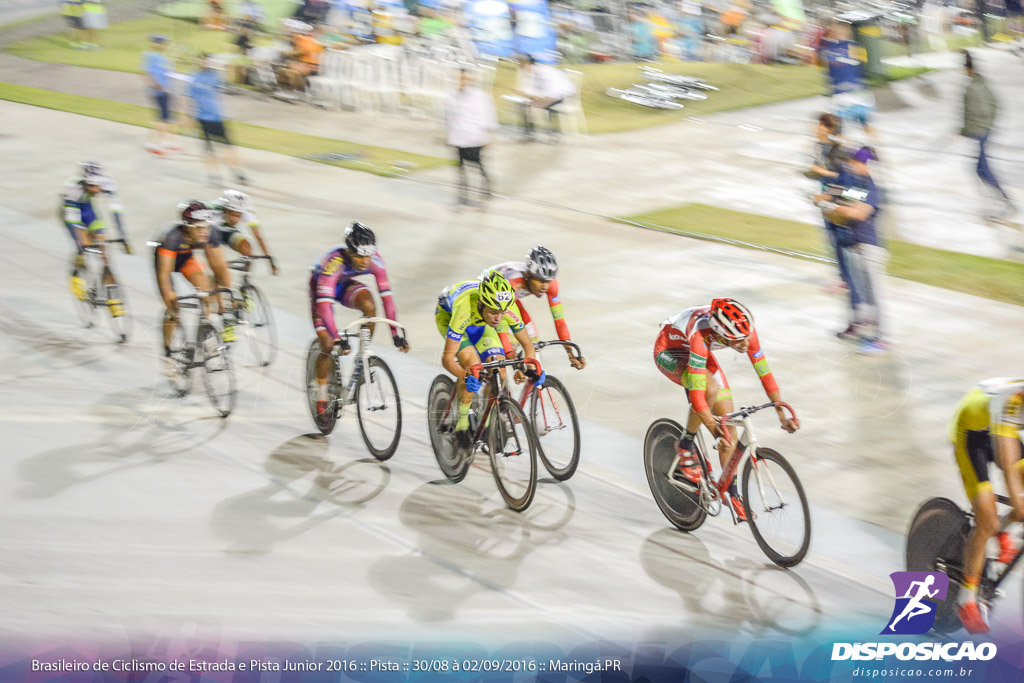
[[251, 15], [156, 70], [854, 210], [544, 87], [844, 60], [470, 123], [215, 19], [980, 109], [645, 47], [94, 19], [304, 59], [204, 91], [72, 11], [826, 167]]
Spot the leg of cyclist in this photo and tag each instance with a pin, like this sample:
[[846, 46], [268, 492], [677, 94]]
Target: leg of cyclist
[[79, 236], [719, 397], [361, 299], [221, 278], [96, 236]]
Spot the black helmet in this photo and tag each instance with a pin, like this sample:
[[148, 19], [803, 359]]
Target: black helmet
[[360, 240], [195, 211], [540, 263]]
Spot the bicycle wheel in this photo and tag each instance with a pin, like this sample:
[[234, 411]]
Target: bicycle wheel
[[325, 422], [379, 409], [777, 509], [512, 449], [554, 420], [935, 543], [183, 353], [258, 324], [453, 461], [681, 507], [86, 308], [120, 324], [218, 376]]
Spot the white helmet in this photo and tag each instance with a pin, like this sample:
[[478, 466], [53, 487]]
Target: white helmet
[[233, 200], [540, 263]]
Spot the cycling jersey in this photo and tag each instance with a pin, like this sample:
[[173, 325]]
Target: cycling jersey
[[231, 235], [332, 280], [458, 318], [513, 271], [993, 408], [683, 352], [174, 242], [77, 210]]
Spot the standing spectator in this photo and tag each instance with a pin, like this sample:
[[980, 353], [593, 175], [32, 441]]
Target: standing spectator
[[854, 212], [644, 45], [94, 19], [72, 11], [303, 61], [980, 109], [544, 87], [844, 60], [471, 121], [826, 167], [204, 91], [156, 70], [215, 19]]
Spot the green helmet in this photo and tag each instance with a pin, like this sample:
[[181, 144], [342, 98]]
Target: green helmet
[[496, 292]]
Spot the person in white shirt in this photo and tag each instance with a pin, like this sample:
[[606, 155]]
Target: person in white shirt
[[470, 123], [544, 87]]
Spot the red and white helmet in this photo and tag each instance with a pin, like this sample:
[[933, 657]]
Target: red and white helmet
[[730, 319]]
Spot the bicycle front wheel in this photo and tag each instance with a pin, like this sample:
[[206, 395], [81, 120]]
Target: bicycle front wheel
[[681, 507], [935, 543], [258, 325], [554, 420], [379, 409], [218, 376], [512, 449], [326, 420], [777, 509]]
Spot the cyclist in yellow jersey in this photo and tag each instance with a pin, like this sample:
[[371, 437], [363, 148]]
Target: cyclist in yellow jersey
[[985, 429], [469, 315]]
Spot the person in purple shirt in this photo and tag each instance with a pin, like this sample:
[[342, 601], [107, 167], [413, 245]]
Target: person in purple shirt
[[205, 93], [332, 280]]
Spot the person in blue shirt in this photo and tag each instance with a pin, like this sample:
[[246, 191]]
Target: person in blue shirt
[[843, 59], [854, 212], [156, 70], [204, 90]]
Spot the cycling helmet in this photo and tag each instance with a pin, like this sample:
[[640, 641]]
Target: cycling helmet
[[360, 240], [731, 319], [91, 168], [194, 212], [233, 200], [541, 264], [496, 292]]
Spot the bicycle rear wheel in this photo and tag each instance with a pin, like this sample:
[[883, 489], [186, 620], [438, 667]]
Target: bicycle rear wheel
[[218, 376], [324, 422], [258, 325], [681, 507], [554, 420], [512, 449], [379, 409], [777, 509], [120, 324], [935, 543], [453, 460]]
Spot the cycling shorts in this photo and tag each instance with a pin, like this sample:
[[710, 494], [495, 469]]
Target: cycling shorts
[[231, 237], [483, 338], [674, 363], [344, 293], [185, 262], [972, 443]]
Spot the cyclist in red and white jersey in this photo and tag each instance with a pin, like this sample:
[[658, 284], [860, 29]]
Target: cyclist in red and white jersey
[[536, 277], [683, 353]]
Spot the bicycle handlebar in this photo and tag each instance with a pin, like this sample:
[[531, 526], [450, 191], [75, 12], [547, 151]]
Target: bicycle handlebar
[[359, 322], [476, 369], [572, 346], [737, 415], [202, 295], [242, 262]]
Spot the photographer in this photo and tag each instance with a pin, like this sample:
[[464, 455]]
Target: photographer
[[851, 205], [826, 166]]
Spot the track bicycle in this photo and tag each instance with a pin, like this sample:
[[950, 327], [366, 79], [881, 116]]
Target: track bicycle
[[370, 386], [936, 542], [97, 293], [553, 416], [253, 314], [773, 496], [201, 347], [499, 426]]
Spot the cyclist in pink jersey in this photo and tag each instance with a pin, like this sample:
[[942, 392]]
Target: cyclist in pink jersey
[[683, 353], [536, 277], [333, 280]]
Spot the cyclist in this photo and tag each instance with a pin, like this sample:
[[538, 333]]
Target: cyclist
[[469, 315], [175, 253], [86, 228], [683, 353], [235, 210], [985, 429], [332, 280], [536, 276]]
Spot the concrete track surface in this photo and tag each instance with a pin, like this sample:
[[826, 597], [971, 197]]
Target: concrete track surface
[[126, 510]]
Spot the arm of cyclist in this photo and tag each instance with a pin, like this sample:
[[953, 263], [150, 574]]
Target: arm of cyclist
[[164, 267], [254, 225], [219, 266], [529, 351], [116, 208], [1008, 455], [771, 387], [561, 328], [384, 288]]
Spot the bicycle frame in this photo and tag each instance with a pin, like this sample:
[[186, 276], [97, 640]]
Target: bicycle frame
[[358, 329], [497, 390], [529, 388]]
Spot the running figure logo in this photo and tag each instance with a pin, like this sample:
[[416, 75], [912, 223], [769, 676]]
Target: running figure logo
[[916, 595]]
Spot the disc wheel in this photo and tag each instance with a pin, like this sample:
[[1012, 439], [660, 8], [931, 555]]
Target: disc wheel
[[258, 325], [935, 542], [512, 447], [554, 420], [324, 422], [681, 507], [379, 409], [218, 375], [453, 460], [777, 509]]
